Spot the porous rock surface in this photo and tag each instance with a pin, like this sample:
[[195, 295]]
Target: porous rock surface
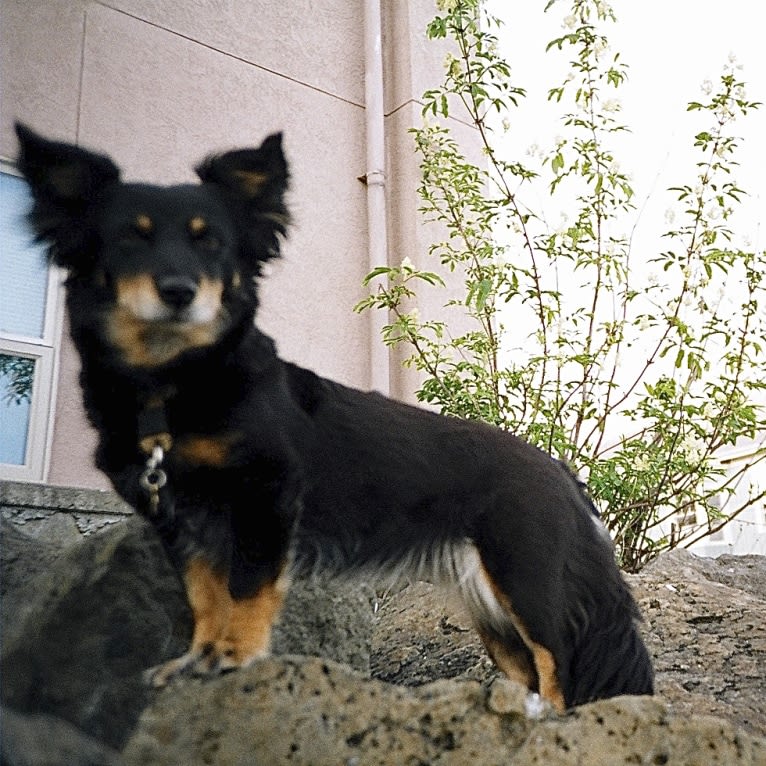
[[359, 676]]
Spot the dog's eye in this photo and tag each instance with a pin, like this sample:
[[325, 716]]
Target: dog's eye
[[132, 236], [208, 241], [202, 235]]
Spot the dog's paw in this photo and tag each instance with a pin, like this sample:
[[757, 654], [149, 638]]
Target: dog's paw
[[210, 660], [161, 675]]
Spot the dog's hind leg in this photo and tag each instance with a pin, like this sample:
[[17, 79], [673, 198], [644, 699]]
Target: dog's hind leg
[[522, 643], [511, 655], [522, 655]]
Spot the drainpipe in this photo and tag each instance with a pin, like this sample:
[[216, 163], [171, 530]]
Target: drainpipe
[[375, 178]]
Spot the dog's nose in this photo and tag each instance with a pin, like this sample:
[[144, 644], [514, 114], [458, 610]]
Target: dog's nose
[[177, 292]]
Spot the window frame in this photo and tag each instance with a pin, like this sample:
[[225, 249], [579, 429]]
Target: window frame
[[45, 351]]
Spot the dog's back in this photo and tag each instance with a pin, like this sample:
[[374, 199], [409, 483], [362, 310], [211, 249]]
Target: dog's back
[[465, 505]]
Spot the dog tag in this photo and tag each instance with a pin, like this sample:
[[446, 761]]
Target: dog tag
[[153, 479]]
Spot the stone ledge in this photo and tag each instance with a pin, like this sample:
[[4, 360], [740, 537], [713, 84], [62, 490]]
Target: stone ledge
[[44, 497]]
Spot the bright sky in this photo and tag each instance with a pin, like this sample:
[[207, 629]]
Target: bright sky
[[671, 47]]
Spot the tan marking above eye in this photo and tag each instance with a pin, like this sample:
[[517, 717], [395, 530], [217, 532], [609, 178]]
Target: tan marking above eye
[[143, 223], [197, 226]]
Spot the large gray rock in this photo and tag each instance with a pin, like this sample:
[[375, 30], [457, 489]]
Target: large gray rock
[[308, 712], [107, 608], [81, 629], [82, 626]]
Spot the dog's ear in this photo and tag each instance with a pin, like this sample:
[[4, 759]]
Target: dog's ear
[[64, 180], [255, 182]]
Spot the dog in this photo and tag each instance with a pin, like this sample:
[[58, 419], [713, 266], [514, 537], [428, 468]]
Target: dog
[[254, 470]]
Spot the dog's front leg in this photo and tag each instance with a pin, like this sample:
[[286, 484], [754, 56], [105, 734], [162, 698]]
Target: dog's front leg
[[234, 607], [211, 604], [229, 632]]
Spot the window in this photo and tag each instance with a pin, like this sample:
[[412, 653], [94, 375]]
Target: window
[[28, 321]]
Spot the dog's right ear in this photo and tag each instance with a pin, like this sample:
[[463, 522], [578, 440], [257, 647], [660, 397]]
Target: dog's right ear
[[255, 181], [64, 180]]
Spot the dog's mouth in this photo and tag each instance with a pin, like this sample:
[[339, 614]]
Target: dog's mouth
[[151, 325]]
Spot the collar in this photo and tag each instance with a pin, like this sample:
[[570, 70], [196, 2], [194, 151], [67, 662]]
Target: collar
[[152, 425]]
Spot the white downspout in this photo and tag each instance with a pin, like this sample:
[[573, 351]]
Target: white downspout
[[375, 177]]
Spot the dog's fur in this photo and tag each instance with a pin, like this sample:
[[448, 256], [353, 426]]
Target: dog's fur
[[272, 470]]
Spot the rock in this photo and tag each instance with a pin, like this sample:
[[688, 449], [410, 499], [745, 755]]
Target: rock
[[107, 610], [42, 740], [628, 730], [81, 629], [80, 632], [420, 637], [24, 559], [705, 626], [331, 620], [308, 712]]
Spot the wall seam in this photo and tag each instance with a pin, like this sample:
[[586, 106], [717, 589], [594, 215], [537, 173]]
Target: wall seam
[[233, 56]]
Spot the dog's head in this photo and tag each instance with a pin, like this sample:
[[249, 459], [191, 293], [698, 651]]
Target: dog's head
[[161, 270]]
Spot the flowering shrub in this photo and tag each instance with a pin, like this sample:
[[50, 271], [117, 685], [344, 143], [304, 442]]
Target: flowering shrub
[[634, 370]]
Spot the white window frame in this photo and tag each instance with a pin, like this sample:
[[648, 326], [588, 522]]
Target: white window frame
[[45, 352]]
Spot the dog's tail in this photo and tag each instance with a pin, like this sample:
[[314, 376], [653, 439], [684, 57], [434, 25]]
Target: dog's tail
[[610, 657]]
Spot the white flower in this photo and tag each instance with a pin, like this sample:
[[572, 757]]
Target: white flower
[[721, 150], [570, 22], [707, 87], [506, 123], [611, 105], [414, 315], [642, 463], [670, 216], [407, 264], [691, 449]]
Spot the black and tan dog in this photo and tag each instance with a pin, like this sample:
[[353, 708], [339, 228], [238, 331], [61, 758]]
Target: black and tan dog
[[253, 469]]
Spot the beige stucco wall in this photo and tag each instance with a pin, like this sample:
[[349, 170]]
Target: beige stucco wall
[[158, 85]]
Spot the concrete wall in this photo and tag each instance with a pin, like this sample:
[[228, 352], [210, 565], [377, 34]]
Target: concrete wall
[[158, 85]]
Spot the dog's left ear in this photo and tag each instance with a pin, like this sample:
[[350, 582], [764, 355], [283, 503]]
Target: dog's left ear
[[255, 181], [65, 181]]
